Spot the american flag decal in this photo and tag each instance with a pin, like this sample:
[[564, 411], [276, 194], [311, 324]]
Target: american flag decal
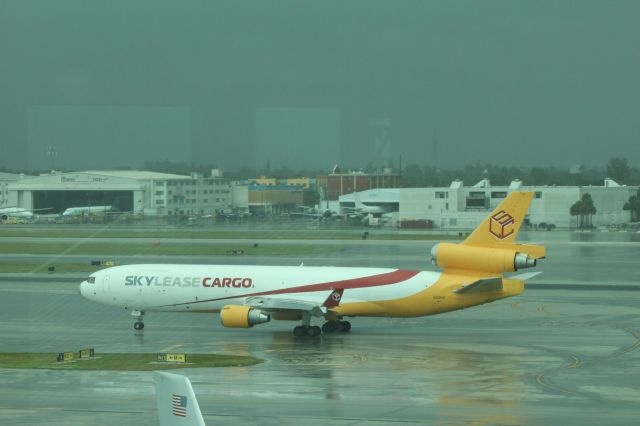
[[179, 405]]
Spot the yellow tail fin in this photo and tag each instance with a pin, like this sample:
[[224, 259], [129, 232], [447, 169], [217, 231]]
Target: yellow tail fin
[[502, 226]]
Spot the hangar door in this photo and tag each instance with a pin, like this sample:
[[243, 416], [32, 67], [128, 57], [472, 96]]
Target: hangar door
[[58, 201]]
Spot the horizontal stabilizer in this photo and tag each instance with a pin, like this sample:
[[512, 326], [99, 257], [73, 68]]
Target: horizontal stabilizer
[[525, 276], [481, 286]]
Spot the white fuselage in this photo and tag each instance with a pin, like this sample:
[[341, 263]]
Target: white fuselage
[[207, 288], [16, 212], [78, 211]]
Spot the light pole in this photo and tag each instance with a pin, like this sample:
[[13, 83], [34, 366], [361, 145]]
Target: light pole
[[52, 153]]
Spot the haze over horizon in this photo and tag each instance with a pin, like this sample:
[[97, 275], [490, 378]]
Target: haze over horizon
[[309, 84]]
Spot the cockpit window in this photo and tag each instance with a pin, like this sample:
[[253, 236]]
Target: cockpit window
[[91, 280]]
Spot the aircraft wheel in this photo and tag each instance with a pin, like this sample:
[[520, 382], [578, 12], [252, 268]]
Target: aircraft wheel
[[138, 325], [300, 331], [313, 331], [345, 326], [330, 327]]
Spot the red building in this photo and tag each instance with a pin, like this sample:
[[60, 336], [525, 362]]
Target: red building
[[339, 183]]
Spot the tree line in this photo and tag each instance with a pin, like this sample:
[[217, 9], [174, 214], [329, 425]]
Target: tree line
[[415, 175], [616, 168]]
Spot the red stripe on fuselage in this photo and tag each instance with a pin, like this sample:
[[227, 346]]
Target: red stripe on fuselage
[[394, 277]]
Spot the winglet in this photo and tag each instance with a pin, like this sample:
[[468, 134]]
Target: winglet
[[177, 404], [334, 298]]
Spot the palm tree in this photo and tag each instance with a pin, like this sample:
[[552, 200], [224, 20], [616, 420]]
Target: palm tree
[[574, 210], [633, 205], [584, 209], [588, 208]]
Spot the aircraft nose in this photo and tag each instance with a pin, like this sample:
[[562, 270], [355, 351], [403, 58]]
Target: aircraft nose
[[83, 289]]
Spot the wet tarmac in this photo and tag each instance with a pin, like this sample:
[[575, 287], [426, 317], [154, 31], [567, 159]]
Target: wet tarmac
[[567, 351]]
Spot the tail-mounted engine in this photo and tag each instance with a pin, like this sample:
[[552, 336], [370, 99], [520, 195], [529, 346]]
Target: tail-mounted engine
[[238, 316], [485, 259]]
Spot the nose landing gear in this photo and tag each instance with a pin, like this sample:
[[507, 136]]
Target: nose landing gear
[[138, 315]]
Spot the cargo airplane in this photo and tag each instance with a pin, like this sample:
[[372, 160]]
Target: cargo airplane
[[473, 274]]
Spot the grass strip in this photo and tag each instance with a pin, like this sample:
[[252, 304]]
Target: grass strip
[[122, 361], [36, 267], [219, 234], [96, 248]]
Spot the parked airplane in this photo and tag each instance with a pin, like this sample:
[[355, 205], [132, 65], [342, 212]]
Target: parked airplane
[[249, 295], [365, 209], [176, 401], [79, 211], [18, 212], [313, 213]]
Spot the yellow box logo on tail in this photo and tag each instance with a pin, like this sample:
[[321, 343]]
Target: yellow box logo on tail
[[501, 224]]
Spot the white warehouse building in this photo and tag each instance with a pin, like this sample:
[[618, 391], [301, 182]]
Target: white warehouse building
[[464, 207]]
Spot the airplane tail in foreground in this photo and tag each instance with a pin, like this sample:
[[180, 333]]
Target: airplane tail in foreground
[[491, 247], [177, 404]]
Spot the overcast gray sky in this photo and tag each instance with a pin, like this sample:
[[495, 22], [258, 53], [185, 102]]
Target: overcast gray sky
[[313, 83]]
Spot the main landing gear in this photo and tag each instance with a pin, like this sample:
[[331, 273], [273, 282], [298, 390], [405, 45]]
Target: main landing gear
[[336, 326], [138, 315], [327, 328], [306, 330]]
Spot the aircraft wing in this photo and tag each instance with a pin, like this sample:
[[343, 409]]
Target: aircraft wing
[[278, 304]]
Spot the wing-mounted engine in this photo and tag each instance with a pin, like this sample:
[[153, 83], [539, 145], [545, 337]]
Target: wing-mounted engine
[[484, 259], [238, 316]]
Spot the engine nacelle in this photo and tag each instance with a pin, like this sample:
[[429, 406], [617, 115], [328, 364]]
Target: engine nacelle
[[485, 259], [238, 316]]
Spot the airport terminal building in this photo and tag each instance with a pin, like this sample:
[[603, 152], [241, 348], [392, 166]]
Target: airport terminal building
[[464, 207], [139, 192]]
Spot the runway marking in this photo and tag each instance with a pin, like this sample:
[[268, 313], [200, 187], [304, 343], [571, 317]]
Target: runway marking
[[633, 347], [555, 388], [576, 361], [172, 347], [540, 377]]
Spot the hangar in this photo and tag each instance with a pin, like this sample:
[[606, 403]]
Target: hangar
[[60, 191], [149, 193]]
